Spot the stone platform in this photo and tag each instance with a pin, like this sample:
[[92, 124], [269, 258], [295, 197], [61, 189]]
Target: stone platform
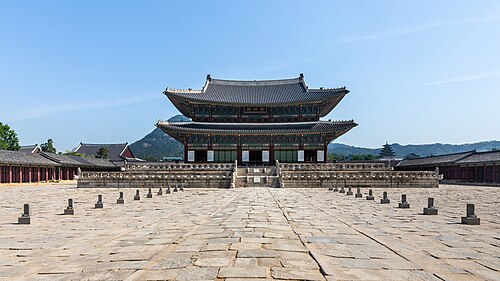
[[248, 234]]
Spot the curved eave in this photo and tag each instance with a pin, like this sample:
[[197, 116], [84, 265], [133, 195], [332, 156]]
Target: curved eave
[[177, 131], [178, 98], [182, 109], [331, 104]]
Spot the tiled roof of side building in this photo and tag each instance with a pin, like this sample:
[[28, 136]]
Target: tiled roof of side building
[[21, 158], [93, 162], [29, 148], [114, 150], [251, 128], [481, 157], [262, 92], [432, 160], [62, 159]]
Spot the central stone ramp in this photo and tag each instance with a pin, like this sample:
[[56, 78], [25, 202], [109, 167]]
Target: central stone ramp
[[260, 176]]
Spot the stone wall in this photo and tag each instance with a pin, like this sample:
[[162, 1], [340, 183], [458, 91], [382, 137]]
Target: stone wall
[[154, 175], [362, 175], [144, 175]]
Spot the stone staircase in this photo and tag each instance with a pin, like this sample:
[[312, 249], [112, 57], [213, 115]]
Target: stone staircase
[[263, 176]]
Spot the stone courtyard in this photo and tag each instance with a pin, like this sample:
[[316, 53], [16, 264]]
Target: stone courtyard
[[248, 233]]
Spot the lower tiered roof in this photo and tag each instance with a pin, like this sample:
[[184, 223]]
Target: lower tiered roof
[[320, 127]]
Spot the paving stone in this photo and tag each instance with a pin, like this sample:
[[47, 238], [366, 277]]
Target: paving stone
[[246, 262], [296, 274], [197, 273], [245, 272], [288, 233]]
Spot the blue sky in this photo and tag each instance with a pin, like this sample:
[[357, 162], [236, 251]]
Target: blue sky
[[94, 71]]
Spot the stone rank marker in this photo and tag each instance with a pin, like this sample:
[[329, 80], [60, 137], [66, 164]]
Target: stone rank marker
[[358, 193], [120, 199], [99, 204], [175, 188], [160, 191], [69, 210], [331, 187], [370, 195], [404, 204], [137, 196], [25, 216], [430, 210], [149, 195], [349, 191], [168, 189], [182, 187], [471, 218], [342, 190], [385, 199]]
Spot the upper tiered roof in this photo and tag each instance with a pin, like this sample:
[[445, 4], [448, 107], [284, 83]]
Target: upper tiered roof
[[261, 93]]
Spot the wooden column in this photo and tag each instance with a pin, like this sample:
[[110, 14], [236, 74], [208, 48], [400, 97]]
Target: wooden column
[[484, 172], [326, 152], [10, 174], [185, 152], [271, 151], [20, 174], [238, 151], [475, 173], [37, 174]]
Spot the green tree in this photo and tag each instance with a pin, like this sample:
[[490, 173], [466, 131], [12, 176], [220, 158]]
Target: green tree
[[386, 151], [68, 152], [411, 156], [102, 153], [362, 157], [8, 138], [335, 157], [48, 146]]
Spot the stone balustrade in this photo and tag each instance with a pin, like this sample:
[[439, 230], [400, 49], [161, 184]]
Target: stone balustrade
[[149, 166], [224, 175], [154, 175], [335, 167], [361, 178]]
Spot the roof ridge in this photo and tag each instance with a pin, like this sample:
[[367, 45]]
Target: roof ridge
[[266, 82], [162, 122], [486, 152], [96, 144], [326, 89], [441, 155]]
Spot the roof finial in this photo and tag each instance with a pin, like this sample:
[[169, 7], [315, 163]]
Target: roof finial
[[208, 77], [301, 75]]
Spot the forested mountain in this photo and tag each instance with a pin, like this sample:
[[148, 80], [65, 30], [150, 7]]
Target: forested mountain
[[156, 145], [418, 149]]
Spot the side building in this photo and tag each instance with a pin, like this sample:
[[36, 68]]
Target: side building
[[256, 122], [26, 166], [466, 167]]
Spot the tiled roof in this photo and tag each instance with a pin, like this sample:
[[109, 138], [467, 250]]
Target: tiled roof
[[432, 160], [28, 148], [93, 162], [262, 92], [253, 128], [23, 158], [114, 150], [61, 159], [481, 157]]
